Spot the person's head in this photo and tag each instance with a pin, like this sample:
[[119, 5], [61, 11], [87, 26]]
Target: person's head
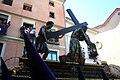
[[30, 27], [4, 21], [85, 28], [49, 24]]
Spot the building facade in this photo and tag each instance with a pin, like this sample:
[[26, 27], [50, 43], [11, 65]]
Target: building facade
[[108, 38], [34, 13], [109, 45]]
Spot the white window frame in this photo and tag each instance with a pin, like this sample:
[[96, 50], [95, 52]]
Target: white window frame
[[29, 21], [3, 48], [9, 16], [57, 53]]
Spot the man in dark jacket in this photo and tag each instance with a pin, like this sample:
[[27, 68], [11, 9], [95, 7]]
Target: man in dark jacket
[[41, 40]]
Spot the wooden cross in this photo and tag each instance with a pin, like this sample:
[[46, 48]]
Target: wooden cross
[[66, 30]]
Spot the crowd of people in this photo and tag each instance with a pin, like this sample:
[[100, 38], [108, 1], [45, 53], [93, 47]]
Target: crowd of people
[[4, 25]]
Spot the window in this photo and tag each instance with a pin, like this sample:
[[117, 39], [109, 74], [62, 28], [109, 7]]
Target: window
[[51, 3], [52, 56], [27, 7], [4, 25], [27, 25], [119, 13], [28, 28], [3, 17], [1, 46], [24, 52], [52, 14], [8, 2]]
